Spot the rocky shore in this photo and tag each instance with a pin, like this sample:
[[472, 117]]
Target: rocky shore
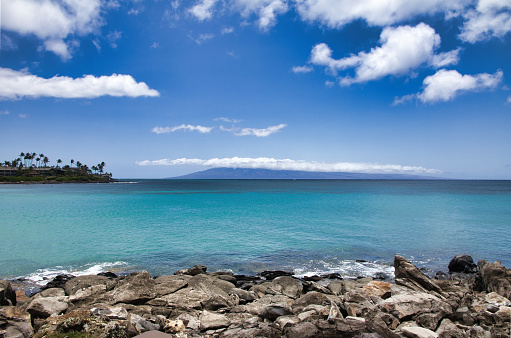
[[469, 301]]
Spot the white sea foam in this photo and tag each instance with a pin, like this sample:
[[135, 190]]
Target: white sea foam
[[43, 276], [346, 268]]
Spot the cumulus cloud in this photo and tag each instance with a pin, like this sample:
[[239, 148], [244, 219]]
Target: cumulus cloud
[[301, 69], [203, 9], [445, 85], [227, 30], [288, 164], [402, 49], [19, 84], [264, 132], [266, 10], [490, 18], [52, 21], [337, 13], [185, 127]]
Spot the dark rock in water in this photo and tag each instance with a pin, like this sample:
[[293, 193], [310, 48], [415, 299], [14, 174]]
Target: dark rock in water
[[440, 275], [360, 261], [7, 294], [108, 274], [314, 278], [462, 263], [381, 276], [58, 282], [332, 276], [193, 271], [271, 275]]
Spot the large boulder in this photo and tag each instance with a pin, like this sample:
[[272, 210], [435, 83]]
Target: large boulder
[[287, 286], [82, 282], [167, 284], [407, 306], [193, 271], [44, 307], [7, 294], [15, 323], [409, 275], [462, 263], [495, 278], [135, 289]]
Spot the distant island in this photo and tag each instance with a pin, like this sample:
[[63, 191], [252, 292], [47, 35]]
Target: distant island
[[267, 174], [35, 168]]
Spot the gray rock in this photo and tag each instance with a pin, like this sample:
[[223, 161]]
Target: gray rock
[[7, 294], [273, 311], [244, 295], [287, 286], [165, 285], [15, 322], [53, 292], [135, 289], [88, 295], [419, 332], [336, 287], [309, 299], [110, 312], [409, 275], [495, 278], [46, 306], [193, 271], [142, 324], [210, 320], [402, 306], [284, 321], [82, 282], [301, 330]]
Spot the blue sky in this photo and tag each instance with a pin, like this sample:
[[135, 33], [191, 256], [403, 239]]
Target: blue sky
[[160, 88]]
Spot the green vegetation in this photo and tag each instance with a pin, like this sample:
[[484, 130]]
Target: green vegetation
[[33, 167]]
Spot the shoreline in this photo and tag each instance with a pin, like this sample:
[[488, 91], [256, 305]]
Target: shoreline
[[469, 301]]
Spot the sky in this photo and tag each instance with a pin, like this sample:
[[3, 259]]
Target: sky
[[162, 88]]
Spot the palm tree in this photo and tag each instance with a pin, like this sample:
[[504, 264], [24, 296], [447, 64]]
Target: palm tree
[[38, 160], [46, 160], [101, 166], [59, 161], [22, 155], [72, 161]]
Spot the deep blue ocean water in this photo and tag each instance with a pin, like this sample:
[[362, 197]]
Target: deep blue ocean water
[[247, 226]]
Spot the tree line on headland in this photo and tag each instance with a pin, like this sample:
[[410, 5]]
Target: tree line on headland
[[33, 167]]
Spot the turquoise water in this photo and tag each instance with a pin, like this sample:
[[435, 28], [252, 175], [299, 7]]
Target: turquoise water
[[309, 226]]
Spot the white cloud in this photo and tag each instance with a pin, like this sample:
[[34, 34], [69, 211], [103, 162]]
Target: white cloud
[[264, 132], [228, 120], [134, 11], [288, 164], [491, 18], [5, 112], [445, 59], [113, 37], [52, 21], [22, 116], [155, 45], [445, 85], [508, 100], [402, 49], [227, 30], [301, 69], [329, 84], [266, 10], [337, 13], [185, 127], [203, 38], [203, 9], [18, 84]]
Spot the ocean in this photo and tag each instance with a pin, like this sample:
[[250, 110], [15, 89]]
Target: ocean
[[350, 227]]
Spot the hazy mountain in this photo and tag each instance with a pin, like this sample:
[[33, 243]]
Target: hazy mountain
[[241, 173]]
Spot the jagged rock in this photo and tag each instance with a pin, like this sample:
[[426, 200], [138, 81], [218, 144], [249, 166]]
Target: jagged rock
[[309, 286], [505, 313], [271, 275], [402, 306], [210, 285], [193, 271], [378, 289], [174, 326], [83, 282], [301, 330], [336, 287], [7, 294], [108, 274], [284, 321], [419, 332], [15, 322], [309, 298], [448, 329], [287, 286], [409, 275], [165, 285], [53, 292], [110, 312], [189, 321], [88, 295], [243, 295], [210, 320], [496, 299], [46, 306], [142, 324], [357, 303], [259, 306], [346, 327], [495, 278], [273, 311], [186, 299], [135, 289], [462, 263], [58, 282]]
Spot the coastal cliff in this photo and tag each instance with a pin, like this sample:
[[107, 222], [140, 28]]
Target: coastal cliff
[[469, 301]]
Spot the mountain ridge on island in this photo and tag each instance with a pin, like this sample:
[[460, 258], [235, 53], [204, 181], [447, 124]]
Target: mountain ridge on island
[[269, 174]]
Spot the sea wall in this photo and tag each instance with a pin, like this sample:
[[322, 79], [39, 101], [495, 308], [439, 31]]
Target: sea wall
[[470, 301]]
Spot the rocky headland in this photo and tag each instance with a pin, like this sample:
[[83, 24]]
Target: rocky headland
[[469, 301]]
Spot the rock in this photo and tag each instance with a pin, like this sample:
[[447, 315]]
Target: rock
[[53, 292], [402, 306], [409, 275], [15, 322], [505, 313], [308, 299], [336, 287], [243, 295], [174, 326], [273, 311], [108, 274], [496, 299], [259, 306], [83, 282], [142, 324], [378, 289], [462, 263], [287, 286], [271, 275], [110, 312], [185, 299], [165, 285], [135, 289], [309, 286], [58, 281], [188, 320], [193, 271], [46, 306], [210, 285], [301, 330], [210, 320], [7, 294], [419, 332], [448, 329], [495, 278], [284, 321], [347, 327], [88, 296]]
